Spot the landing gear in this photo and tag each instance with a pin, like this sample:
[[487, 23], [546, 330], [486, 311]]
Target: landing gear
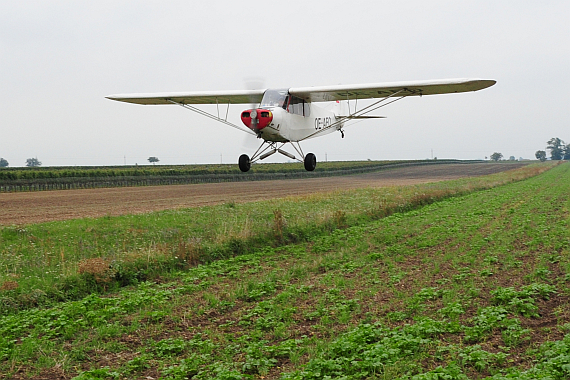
[[244, 163], [269, 148], [310, 162]]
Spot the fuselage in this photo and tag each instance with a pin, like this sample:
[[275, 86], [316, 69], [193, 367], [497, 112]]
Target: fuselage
[[282, 117]]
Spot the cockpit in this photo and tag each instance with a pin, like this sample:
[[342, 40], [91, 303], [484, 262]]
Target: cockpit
[[281, 98], [274, 98]]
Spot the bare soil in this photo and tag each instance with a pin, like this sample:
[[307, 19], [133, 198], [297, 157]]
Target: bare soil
[[44, 206]]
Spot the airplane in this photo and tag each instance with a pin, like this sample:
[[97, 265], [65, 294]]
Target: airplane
[[290, 115]]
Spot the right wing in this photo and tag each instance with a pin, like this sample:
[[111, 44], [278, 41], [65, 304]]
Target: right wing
[[196, 97], [385, 90]]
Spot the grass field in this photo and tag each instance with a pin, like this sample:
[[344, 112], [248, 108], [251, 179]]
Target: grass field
[[455, 280]]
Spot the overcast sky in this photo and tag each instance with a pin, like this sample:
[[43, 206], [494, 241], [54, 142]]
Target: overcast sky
[[59, 59]]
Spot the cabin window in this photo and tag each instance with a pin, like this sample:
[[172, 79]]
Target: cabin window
[[282, 98], [298, 106]]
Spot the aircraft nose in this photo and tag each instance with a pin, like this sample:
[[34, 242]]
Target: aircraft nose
[[256, 119]]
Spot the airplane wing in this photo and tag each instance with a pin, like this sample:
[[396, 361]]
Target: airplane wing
[[196, 97], [313, 94], [384, 90]]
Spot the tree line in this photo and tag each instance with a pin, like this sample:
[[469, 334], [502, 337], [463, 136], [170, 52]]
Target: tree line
[[559, 150], [30, 162], [34, 162]]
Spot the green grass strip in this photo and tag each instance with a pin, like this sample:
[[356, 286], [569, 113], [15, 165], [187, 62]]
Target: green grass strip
[[50, 262]]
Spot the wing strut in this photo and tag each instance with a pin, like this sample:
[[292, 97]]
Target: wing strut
[[214, 117], [372, 107]]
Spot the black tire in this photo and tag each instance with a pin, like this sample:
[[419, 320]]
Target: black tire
[[310, 162], [244, 163]]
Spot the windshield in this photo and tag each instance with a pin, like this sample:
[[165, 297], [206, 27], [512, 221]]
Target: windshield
[[274, 98]]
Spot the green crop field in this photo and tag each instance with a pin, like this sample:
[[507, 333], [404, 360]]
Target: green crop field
[[464, 279]]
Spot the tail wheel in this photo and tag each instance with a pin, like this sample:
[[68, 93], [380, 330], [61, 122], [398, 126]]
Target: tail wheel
[[310, 162], [244, 163]]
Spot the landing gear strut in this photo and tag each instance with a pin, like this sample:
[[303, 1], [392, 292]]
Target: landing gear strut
[[262, 152]]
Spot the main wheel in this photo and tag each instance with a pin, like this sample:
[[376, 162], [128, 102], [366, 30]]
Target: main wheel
[[310, 162], [244, 163]]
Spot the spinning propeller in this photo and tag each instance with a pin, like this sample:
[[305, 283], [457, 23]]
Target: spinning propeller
[[252, 83]]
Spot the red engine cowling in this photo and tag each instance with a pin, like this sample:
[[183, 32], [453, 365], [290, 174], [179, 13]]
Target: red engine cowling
[[256, 119]]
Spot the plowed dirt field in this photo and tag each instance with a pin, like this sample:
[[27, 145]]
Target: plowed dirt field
[[37, 207]]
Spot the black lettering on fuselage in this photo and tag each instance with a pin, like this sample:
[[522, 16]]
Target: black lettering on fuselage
[[322, 122]]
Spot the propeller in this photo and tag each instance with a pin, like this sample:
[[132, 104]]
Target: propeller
[[250, 142]]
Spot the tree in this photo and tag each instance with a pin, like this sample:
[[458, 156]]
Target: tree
[[567, 152], [556, 148], [496, 156], [153, 160], [3, 163], [33, 162], [540, 155]]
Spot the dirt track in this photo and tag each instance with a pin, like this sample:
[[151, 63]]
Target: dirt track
[[36, 207]]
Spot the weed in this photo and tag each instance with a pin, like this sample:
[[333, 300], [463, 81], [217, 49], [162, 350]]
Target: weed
[[481, 359], [169, 347], [138, 364], [375, 256], [230, 204], [97, 268], [427, 294], [254, 291], [452, 310], [185, 369], [97, 374], [9, 285], [540, 274], [487, 319], [451, 372], [339, 218], [513, 334], [258, 359], [522, 302], [279, 224]]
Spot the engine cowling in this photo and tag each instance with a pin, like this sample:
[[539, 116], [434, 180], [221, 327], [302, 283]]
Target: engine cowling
[[256, 119]]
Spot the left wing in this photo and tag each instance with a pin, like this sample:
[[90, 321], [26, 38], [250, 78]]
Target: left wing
[[385, 90], [196, 97]]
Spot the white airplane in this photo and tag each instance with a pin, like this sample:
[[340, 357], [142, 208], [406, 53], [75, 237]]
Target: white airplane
[[290, 115]]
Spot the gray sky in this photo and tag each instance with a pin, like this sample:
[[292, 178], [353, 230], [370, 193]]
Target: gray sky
[[59, 59]]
